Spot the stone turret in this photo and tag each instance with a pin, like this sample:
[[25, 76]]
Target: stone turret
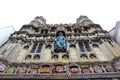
[[115, 32], [39, 21], [60, 51], [83, 21]]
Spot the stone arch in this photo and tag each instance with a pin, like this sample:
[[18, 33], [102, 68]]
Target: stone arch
[[36, 57], [83, 56], [92, 56], [95, 45], [65, 56], [73, 45], [26, 47], [48, 46], [55, 56], [28, 57]]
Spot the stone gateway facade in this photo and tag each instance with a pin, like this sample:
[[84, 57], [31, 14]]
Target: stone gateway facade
[[82, 50]]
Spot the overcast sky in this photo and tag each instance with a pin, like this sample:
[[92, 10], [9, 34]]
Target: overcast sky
[[20, 12]]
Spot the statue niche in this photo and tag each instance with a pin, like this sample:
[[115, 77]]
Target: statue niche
[[60, 42]]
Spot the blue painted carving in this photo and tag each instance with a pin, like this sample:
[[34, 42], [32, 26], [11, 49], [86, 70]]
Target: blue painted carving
[[60, 42]]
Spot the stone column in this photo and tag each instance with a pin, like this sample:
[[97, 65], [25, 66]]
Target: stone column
[[105, 52]]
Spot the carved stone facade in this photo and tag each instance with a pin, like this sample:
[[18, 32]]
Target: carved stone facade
[[61, 51]]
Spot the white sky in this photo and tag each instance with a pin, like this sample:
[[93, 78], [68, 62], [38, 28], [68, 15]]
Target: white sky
[[20, 12]]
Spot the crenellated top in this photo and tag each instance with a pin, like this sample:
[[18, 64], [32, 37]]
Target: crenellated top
[[39, 21], [83, 21]]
